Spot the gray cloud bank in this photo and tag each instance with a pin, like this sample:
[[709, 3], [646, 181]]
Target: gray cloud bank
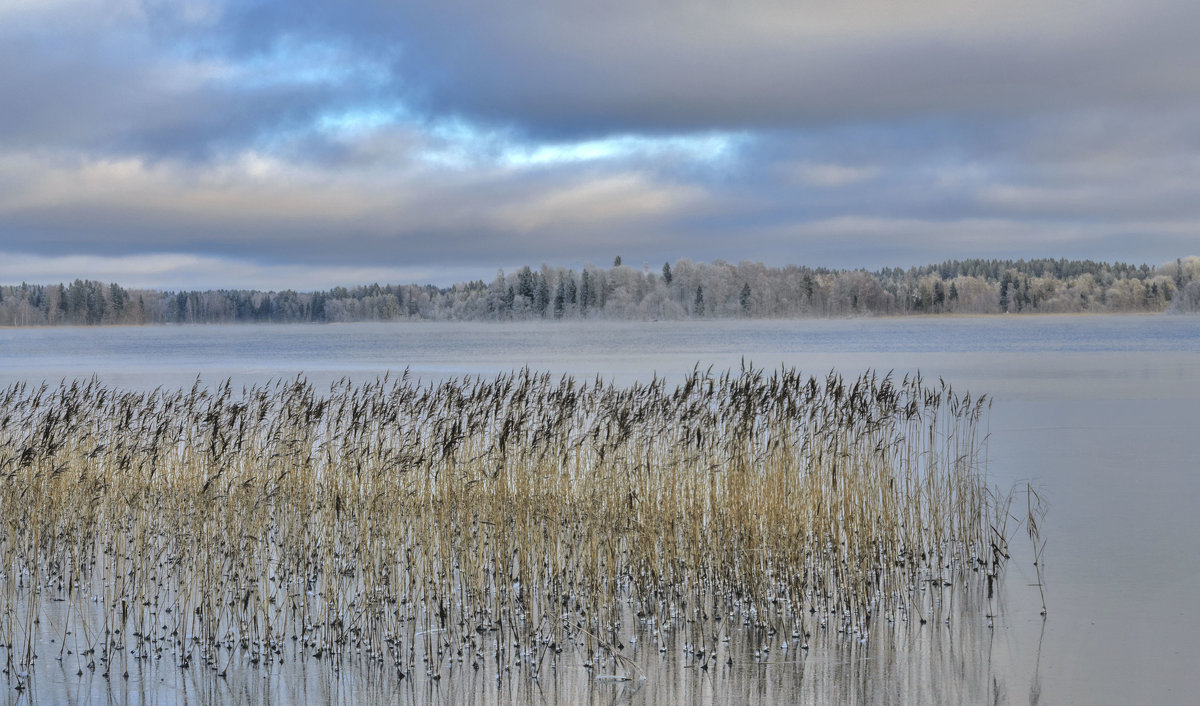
[[323, 141]]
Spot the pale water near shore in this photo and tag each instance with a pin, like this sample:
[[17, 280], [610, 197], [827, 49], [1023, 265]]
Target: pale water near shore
[[1099, 413]]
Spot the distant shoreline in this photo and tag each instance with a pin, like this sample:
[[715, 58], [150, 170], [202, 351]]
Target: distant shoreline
[[598, 320], [683, 291]]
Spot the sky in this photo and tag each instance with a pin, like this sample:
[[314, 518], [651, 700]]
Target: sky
[[299, 144]]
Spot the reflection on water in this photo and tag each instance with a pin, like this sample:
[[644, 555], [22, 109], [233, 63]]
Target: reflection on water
[[952, 658], [1099, 413]]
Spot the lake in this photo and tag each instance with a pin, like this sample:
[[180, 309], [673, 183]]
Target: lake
[[1099, 413]]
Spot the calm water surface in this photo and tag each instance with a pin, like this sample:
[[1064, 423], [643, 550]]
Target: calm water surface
[[1101, 414]]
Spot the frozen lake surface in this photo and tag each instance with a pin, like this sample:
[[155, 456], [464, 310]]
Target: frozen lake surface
[[1099, 413]]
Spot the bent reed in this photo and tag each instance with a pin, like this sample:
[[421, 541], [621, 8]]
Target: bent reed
[[419, 525]]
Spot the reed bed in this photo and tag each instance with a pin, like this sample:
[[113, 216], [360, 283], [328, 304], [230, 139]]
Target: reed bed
[[426, 527]]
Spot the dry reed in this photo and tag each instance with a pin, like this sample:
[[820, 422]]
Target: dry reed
[[417, 525]]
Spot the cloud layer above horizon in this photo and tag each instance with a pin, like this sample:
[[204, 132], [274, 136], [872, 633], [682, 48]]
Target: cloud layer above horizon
[[272, 144]]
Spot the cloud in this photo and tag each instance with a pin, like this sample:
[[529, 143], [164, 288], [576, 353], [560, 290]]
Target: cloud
[[577, 68], [899, 242], [179, 271], [139, 78], [607, 202], [256, 206], [826, 175], [196, 77], [264, 135]]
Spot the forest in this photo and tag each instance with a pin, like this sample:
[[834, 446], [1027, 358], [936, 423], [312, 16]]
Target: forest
[[680, 290]]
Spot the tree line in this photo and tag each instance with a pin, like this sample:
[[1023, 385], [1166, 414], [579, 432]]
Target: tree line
[[679, 290]]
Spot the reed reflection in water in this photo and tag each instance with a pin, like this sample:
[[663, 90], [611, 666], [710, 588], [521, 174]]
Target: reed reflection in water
[[521, 524]]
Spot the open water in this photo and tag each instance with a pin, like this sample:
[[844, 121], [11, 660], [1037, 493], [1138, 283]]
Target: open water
[[1100, 414]]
